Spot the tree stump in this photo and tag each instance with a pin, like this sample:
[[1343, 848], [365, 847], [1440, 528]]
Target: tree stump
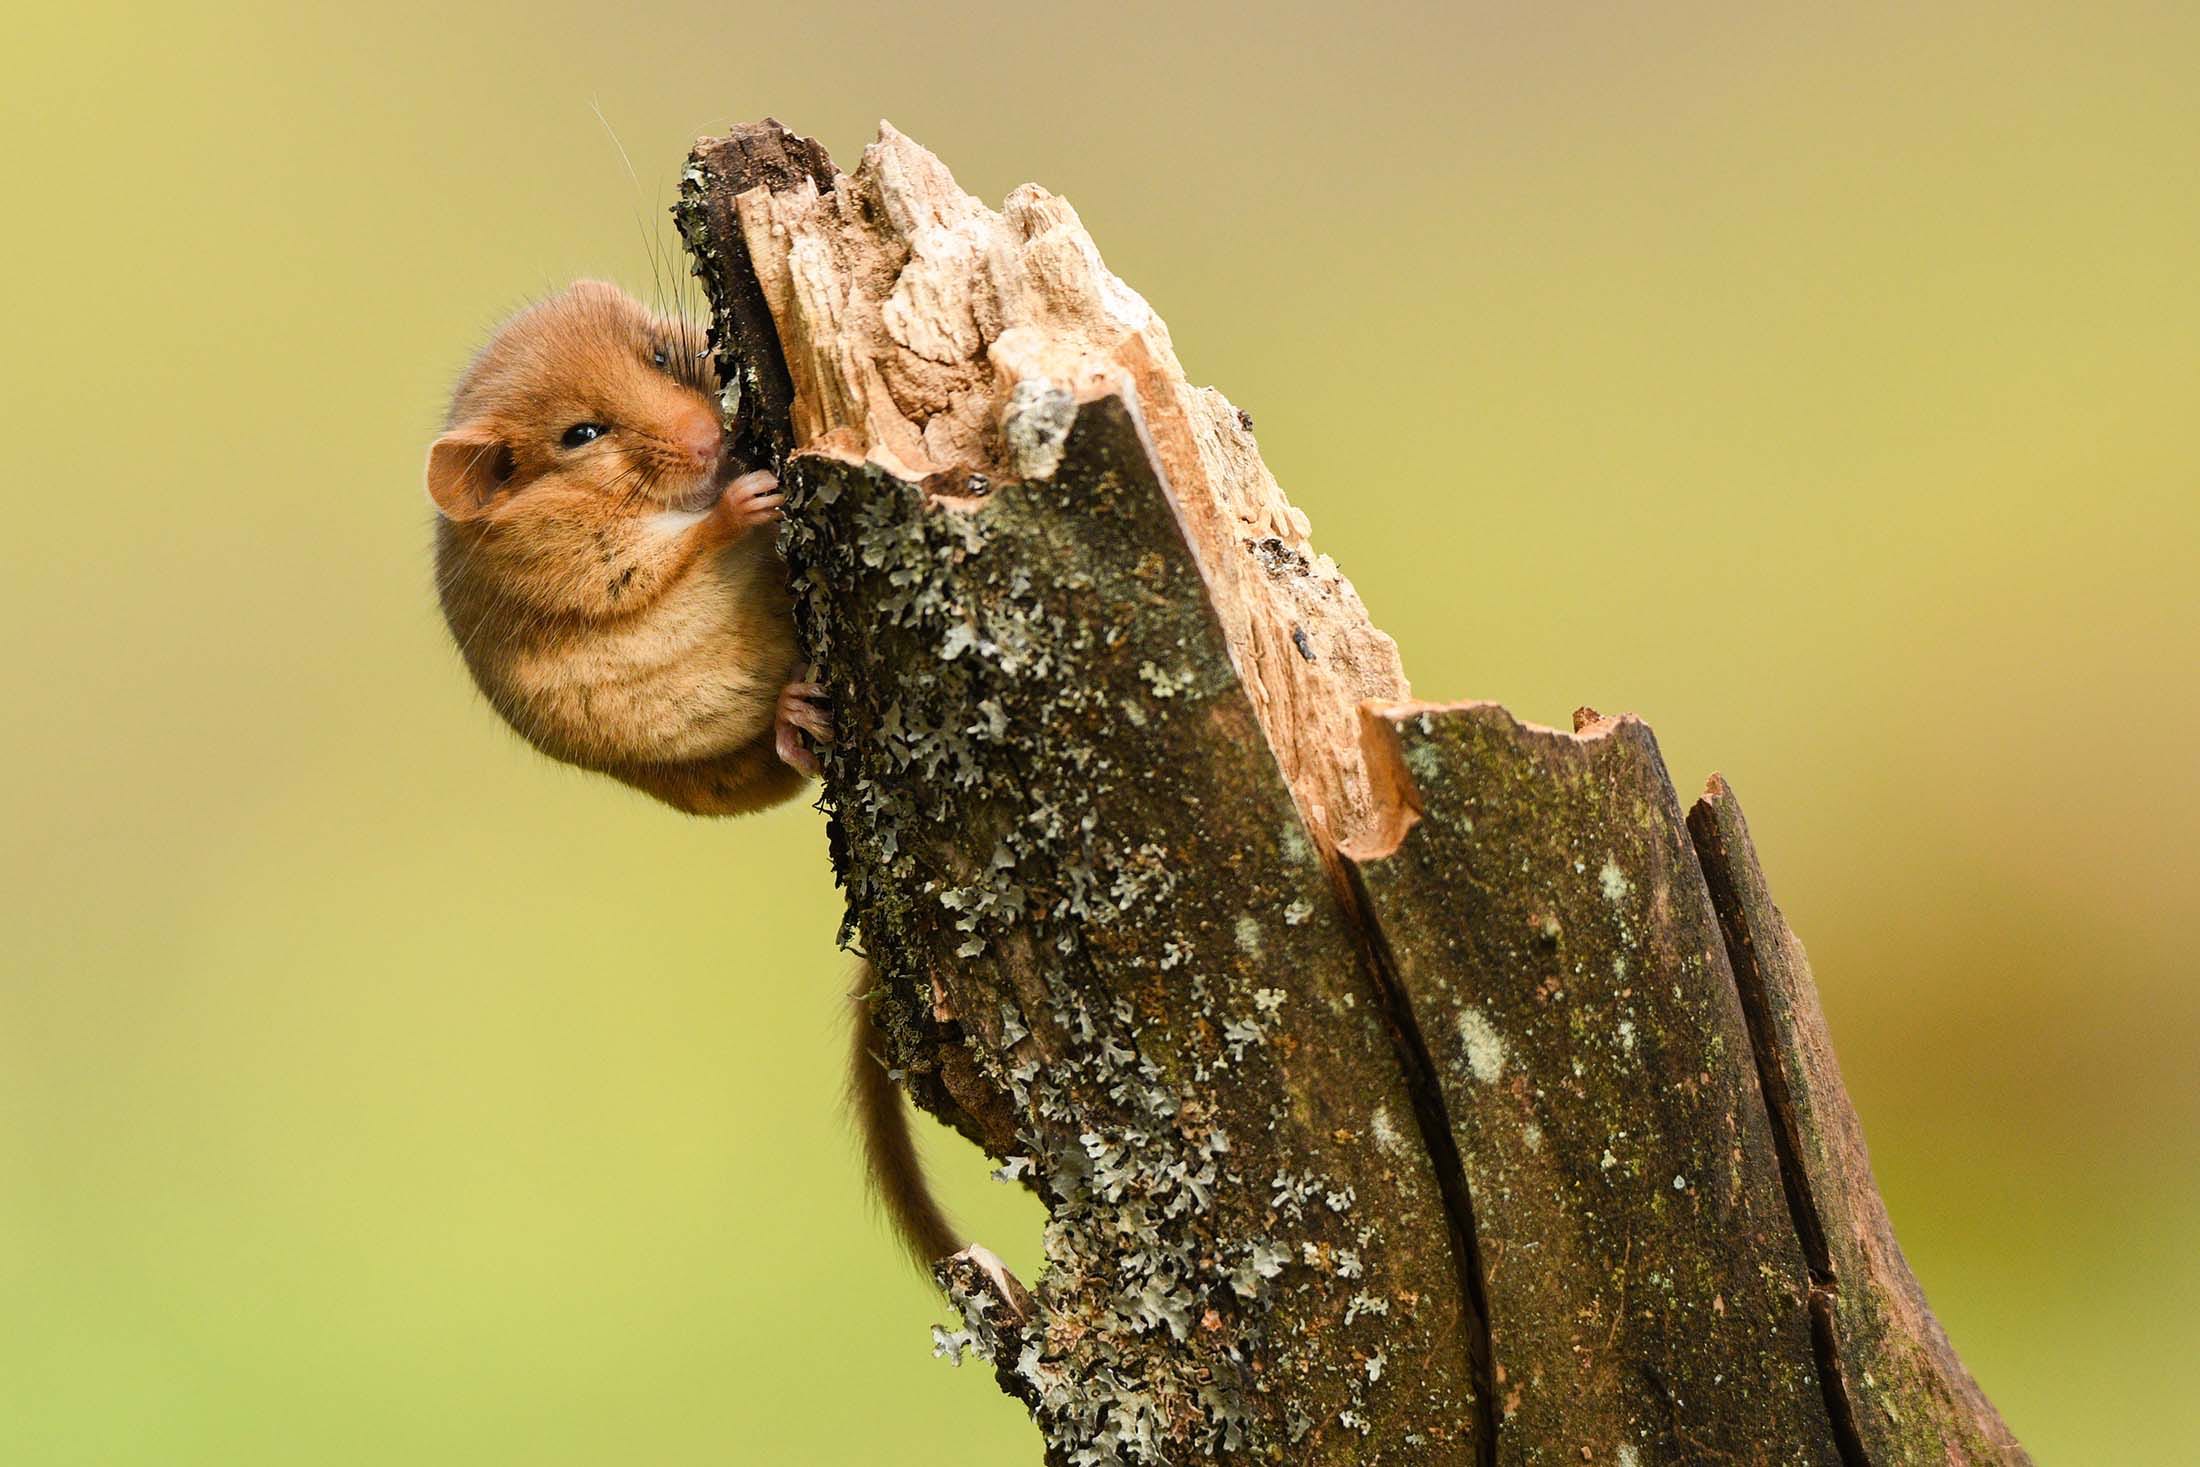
[[1403, 1084]]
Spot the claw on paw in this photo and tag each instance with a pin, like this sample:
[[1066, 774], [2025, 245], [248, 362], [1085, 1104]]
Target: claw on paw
[[801, 711]]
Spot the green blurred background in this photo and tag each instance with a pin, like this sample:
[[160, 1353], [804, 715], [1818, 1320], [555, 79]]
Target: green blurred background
[[1820, 385]]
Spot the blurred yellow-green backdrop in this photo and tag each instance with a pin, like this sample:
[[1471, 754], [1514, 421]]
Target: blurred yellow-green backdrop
[[1818, 381]]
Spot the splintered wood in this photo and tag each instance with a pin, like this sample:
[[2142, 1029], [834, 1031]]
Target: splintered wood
[[1405, 1084], [941, 340]]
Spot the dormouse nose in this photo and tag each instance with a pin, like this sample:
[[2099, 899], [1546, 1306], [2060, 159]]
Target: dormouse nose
[[700, 437]]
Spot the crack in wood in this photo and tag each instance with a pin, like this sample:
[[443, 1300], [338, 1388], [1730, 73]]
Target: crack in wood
[[1442, 1146], [1810, 1229], [1894, 1389]]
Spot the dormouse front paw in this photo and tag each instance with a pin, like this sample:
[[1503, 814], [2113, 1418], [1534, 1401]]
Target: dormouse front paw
[[749, 501]]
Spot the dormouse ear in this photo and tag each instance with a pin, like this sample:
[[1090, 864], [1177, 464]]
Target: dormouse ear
[[467, 468], [601, 291]]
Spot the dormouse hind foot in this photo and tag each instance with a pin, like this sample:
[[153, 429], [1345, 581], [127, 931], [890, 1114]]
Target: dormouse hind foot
[[801, 710]]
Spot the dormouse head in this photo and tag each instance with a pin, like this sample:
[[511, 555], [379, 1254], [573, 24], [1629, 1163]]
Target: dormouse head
[[583, 406]]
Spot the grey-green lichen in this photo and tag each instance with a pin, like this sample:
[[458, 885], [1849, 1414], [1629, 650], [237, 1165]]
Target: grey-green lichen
[[1028, 692]]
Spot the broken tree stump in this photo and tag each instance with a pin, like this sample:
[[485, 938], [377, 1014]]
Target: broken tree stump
[[1404, 1084]]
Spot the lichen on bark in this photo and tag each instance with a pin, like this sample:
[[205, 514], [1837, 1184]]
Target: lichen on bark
[[1110, 953]]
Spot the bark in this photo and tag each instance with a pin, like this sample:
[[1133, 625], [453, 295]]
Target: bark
[[1892, 1376], [1395, 1077]]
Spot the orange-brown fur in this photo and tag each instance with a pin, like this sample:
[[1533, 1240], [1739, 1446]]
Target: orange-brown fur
[[613, 600], [657, 650], [889, 1151]]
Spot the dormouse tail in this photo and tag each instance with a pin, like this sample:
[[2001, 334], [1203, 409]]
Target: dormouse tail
[[889, 1148]]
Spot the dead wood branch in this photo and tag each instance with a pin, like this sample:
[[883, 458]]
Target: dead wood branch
[[1396, 1077]]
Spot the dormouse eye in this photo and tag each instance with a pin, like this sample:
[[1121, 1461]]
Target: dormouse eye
[[581, 433], [660, 356]]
